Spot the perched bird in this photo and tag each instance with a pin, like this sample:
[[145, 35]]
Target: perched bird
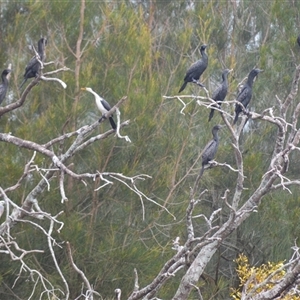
[[211, 148], [4, 84], [220, 93], [34, 66], [298, 39], [102, 105], [196, 69], [245, 94]]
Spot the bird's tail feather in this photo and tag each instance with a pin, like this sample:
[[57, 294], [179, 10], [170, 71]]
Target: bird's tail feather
[[201, 172], [235, 118], [183, 87], [212, 111], [22, 83], [112, 123]]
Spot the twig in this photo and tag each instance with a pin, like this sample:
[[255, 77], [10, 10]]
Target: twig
[[81, 273], [49, 238], [63, 84], [127, 139], [141, 195], [61, 187], [136, 280]]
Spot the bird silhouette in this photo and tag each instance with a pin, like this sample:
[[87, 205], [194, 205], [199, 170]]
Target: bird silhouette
[[245, 94], [211, 148], [196, 70], [220, 93], [33, 67]]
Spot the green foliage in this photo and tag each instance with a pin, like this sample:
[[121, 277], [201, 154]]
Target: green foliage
[[142, 51]]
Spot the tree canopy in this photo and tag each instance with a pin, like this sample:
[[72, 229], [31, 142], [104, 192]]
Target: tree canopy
[[88, 209]]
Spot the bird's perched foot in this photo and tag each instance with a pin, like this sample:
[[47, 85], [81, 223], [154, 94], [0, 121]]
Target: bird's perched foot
[[197, 82], [200, 84], [212, 164], [248, 113], [103, 117]]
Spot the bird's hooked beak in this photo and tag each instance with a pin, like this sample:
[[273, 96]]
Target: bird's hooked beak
[[258, 71]]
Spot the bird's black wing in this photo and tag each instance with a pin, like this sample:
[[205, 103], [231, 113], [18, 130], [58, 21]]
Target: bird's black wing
[[108, 107], [209, 152], [217, 94], [30, 64], [194, 66], [194, 71], [216, 97], [105, 104], [245, 95], [31, 70]]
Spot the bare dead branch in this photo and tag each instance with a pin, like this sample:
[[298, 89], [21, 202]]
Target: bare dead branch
[[61, 187], [62, 83], [90, 290], [136, 281], [291, 96], [133, 187], [127, 139]]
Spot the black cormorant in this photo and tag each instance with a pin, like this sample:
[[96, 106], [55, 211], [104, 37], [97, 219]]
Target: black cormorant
[[4, 84], [34, 66], [196, 69], [102, 105], [211, 148], [245, 94], [221, 92]]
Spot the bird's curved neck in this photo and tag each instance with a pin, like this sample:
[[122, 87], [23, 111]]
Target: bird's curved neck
[[251, 79], [203, 53], [215, 135], [4, 79], [41, 49], [95, 95], [97, 98], [225, 78]]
